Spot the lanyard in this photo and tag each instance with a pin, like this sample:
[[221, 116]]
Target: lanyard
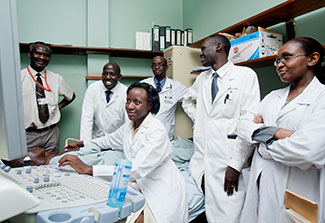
[[40, 85]]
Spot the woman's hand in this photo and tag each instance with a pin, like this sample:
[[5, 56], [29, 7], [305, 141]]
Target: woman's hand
[[258, 118], [282, 133], [76, 164]]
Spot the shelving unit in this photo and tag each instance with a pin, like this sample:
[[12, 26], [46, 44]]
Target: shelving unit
[[84, 50], [284, 12], [113, 52]]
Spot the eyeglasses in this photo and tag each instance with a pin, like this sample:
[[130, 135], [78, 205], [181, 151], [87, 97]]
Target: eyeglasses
[[157, 64], [285, 58]]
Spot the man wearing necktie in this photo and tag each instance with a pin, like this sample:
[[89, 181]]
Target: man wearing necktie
[[215, 102], [103, 108], [171, 93], [41, 90]]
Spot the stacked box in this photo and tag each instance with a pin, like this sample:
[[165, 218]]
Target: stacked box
[[255, 45]]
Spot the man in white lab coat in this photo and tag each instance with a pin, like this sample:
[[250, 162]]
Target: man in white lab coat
[[215, 102], [103, 108], [170, 93]]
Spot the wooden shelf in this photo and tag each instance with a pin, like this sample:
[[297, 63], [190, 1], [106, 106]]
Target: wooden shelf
[[82, 50], [280, 13], [261, 62], [123, 77]]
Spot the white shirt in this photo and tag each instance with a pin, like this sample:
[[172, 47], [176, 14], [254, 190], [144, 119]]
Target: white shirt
[[155, 173], [99, 117], [58, 86], [171, 94]]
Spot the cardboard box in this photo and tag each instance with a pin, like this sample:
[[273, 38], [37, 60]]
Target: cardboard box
[[255, 45]]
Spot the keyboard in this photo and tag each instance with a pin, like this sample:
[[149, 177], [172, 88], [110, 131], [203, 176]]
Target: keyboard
[[59, 189]]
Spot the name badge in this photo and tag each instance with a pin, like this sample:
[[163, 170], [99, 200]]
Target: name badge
[[42, 101]]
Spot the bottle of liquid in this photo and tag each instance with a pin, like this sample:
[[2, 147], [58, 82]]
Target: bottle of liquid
[[119, 185]]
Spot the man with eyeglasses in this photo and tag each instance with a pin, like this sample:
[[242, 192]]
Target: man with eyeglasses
[[41, 89], [170, 93], [103, 108]]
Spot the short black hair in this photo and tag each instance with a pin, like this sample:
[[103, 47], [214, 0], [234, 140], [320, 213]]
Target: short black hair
[[152, 95], [310, 45], [223, 40], [31, 46], [115, 65]]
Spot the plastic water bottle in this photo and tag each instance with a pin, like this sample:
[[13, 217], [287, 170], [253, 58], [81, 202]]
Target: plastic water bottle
[[119, 185]]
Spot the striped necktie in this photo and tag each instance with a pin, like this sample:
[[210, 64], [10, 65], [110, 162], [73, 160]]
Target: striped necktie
[[158, 88], [43, 110]]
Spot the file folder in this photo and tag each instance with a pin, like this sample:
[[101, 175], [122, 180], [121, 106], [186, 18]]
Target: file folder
[[182, 38], [189, 36], [167, 37], [155, 38], [162, 35], [185, 41], [178, 37], [173, 37]]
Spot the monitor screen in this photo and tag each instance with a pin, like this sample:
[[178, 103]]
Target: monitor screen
[[12, 130]]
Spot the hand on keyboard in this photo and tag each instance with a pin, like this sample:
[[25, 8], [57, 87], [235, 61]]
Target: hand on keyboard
[[76, 164]]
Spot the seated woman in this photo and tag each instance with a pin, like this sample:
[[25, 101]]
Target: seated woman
[[145, 142], [289, 128]]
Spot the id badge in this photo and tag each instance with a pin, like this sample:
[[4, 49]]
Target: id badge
[[42, 101]]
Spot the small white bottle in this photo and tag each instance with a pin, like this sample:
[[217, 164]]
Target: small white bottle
[[119, 185]]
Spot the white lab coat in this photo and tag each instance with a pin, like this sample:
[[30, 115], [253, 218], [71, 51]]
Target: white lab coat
[[155, 173], [99, 117], [213, 123], [171, 93], [295, 163]]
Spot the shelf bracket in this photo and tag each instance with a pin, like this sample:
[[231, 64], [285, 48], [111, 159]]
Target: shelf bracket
[[291, 29]]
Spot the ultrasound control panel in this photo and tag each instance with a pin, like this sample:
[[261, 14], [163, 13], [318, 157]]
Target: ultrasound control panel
[[67, 196]]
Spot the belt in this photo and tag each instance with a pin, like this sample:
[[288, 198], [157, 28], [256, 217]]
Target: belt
[[32, 129]]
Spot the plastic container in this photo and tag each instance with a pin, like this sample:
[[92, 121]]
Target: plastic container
[[119, 185]]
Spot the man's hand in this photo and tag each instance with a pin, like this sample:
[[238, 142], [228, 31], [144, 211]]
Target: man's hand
[[74, 145], [231, 181], [76, 164]]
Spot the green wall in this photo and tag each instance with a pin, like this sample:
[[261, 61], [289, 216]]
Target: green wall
[[100, 23], [113, 23]]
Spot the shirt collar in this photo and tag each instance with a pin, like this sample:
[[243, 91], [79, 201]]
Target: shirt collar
[[34, 72], [222, 71], [114, 90], [162, 82]]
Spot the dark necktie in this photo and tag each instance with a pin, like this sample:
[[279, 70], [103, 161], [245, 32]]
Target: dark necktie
[[158, 88], [108, 95], [214, 86], [43, 110]]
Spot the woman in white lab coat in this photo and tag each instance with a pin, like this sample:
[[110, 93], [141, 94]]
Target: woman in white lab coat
[[145, 142], [289, 128]]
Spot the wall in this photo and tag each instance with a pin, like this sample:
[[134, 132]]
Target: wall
[[113, 23], [208, 18], [102, 23]]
